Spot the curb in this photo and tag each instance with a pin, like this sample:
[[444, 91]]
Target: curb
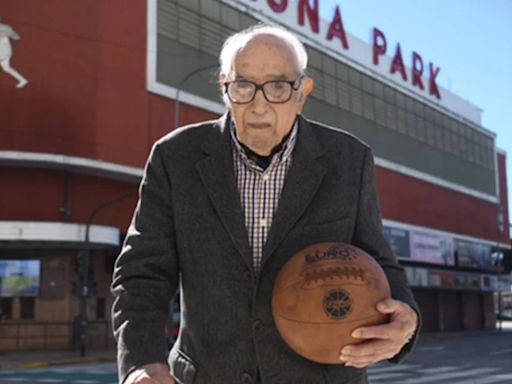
[[78, 360]]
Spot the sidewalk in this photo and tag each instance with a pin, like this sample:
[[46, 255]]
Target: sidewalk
[[40, 359], [506, 330]]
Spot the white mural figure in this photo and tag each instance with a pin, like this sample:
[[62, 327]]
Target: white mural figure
[[7, 33]]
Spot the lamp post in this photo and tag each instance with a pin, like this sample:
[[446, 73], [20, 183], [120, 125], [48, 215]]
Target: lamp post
[[180, 85], [499, 257], [84, 278]]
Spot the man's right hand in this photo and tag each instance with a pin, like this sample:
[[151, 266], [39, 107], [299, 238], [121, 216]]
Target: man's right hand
[[155, 373]]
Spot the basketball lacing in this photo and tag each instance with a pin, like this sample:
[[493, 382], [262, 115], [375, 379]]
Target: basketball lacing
[[325, 274]]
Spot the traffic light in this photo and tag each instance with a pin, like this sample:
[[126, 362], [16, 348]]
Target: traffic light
[[84, 268], [75, 288], [93, 288], [90, 271], [81, 265]]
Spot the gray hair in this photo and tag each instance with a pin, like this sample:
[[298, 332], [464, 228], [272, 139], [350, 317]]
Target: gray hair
[[236, 42]]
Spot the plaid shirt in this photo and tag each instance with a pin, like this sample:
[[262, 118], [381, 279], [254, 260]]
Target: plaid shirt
[[260, 189]]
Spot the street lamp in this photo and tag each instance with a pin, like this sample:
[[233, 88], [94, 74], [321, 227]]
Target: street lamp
[[84, 289], [178, 90]]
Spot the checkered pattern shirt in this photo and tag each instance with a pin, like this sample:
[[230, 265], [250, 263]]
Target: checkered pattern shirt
[[260, 189]]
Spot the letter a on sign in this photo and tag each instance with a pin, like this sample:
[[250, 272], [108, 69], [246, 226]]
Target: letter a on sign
[[336, 28], [398, 63]]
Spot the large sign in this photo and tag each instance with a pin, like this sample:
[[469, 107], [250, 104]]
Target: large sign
[[333, 32], [379, 48], [379, 55]]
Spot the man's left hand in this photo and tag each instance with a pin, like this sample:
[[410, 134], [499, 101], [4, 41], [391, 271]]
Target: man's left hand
[[384, 341]]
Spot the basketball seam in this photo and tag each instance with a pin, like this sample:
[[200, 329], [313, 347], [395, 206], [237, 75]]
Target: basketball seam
[[330, 322]]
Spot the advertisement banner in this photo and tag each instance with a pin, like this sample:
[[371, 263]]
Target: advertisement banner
[[454, 280], [466, 281], [417, 277], [432, 248], [399, 241], [473, 255], [488, 283], [19, 278], [504, 283]]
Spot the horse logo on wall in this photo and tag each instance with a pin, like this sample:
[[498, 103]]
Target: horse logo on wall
[[6, 34]]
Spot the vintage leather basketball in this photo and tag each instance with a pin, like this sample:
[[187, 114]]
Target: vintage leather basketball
[[322, 294]]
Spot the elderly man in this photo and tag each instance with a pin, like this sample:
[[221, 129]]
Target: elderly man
[[223, 205]]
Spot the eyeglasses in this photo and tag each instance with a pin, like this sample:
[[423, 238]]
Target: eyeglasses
[[274, 91]]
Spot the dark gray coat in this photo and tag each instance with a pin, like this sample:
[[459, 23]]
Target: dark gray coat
[[188, 226]]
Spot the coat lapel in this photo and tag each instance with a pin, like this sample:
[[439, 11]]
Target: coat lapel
[[218, 176], [302, 182]]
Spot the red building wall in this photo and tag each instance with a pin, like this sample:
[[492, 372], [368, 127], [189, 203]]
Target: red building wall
[[85, 61], [87, 97], [410, 200], [39, 194]]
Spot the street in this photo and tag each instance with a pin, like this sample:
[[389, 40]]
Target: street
[[94, 373], [458, 358], [463, 358]]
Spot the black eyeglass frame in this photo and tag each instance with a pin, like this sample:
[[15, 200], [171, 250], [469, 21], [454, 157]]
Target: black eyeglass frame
[[295, 84]]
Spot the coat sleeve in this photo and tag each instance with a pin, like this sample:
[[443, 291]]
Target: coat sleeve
[[146, 273], [368, 235]]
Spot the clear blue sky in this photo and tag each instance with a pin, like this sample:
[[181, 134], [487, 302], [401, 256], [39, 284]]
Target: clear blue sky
[[470, 40]]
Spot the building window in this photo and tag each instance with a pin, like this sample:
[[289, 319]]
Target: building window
[[368, 101], [343, 95], [402, 121], [27, 308], [356, 101], [5, 308], [330, 89]]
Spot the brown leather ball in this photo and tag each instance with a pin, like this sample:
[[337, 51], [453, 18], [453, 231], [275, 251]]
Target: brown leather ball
[[322, 294]]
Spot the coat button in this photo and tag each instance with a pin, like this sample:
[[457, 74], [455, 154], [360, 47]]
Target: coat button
[[257, 325], [246, 377]]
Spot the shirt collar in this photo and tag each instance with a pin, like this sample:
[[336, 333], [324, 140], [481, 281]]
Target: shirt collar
[[283, 153]]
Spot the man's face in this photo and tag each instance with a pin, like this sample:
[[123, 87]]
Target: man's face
[[262, 125]]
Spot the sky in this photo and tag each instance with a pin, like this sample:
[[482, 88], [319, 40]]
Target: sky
[[470, 40]]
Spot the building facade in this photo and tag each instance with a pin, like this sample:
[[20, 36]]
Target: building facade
[[103, 78]]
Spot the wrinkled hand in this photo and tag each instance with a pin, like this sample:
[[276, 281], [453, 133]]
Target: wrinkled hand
[[384, 341], [156, 373]]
